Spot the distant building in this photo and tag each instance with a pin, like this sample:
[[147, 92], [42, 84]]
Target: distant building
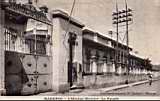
[[101, 50]]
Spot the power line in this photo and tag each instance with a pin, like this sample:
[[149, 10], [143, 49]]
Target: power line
[[120, 17], [68, 24], [67, 30]]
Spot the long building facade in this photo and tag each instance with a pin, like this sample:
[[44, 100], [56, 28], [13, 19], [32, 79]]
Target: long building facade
[[43, 51], [102, 50]]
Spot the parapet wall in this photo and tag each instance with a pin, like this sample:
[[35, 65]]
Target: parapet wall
[[91, 81]]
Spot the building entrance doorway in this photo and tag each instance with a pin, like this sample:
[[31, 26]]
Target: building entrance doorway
[[72, 67]]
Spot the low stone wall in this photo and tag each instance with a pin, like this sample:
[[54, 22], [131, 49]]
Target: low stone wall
[[108, 80]]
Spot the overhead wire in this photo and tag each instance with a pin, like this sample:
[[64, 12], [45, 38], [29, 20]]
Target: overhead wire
[[68, 24], [65, 43]]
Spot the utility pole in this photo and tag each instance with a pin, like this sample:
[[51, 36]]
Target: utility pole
[[115, 17], [128, 19], [127, 38], [122, 18]]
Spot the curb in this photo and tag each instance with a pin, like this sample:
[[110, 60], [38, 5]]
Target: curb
[[104, 90], [125, 86]]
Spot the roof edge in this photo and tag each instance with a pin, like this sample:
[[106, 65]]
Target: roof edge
[[61, 14]]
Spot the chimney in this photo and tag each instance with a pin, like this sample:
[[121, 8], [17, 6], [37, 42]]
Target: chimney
[[44, 9], [110, 33], [33, 2]]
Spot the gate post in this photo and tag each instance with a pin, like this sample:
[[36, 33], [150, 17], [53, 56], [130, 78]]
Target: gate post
[[60, 49], [2, 52]]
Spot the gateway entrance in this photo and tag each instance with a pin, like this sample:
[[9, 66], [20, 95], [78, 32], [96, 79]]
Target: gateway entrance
[[27, 49]]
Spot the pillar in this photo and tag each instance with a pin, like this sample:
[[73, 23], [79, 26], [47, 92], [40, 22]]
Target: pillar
[[139, 71], [145, 71], [119, 69], [109, 63], [60, 75], [142, 71], [94, 68], [109, 67], [135, 70], [105, 65], [132, 70], [94, 64], [2, 52], [113, 68], [61, 65]]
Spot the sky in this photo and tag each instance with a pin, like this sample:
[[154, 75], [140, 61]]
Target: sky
[[144, 33]]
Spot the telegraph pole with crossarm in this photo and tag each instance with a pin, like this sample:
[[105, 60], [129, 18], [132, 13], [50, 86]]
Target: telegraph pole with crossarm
[[122, 18]]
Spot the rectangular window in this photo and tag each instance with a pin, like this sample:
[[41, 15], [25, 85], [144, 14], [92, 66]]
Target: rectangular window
[[41, 48], [39, 43], [10, 39]]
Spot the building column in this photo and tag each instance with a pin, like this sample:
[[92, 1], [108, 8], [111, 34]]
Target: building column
[[139, 71], [94, 64], [94, 68], [145, 71], [142, 71], [105, 65], [136, 71], [113, 68], [2, 52], [61, 67], [109, 63], [132, 71], [125, 70], [63, 39], [119, 69]]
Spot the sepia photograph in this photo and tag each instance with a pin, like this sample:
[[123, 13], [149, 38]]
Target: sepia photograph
[[80, 49]]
